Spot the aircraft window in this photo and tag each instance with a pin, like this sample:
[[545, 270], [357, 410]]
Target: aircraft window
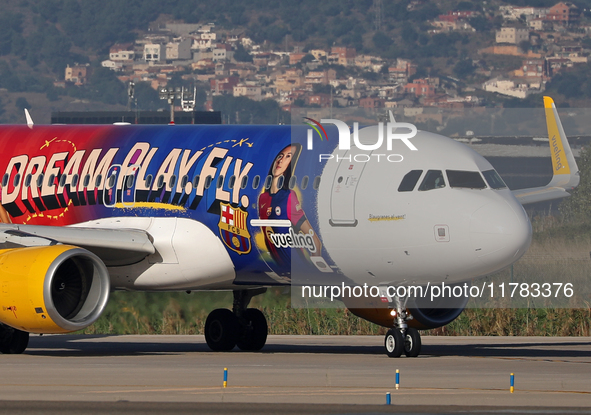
[[268, 181], [220, 182], [112, 180], [86, 181], [292, 182], [208, 181], [465, 179], [184, 181], [51, 179], [130, 180], [195, 181], [148, 181], [97, 182], [232, 182], [40, 180], [244, 182], [160, 181], [63, 180], [409, 181], [316, 183], [493, 179], [305, 181], [433, 180], [172, 181], [74, 180], [256, 181], [17, 180], [28, 180], [280, 181], [5, 180]]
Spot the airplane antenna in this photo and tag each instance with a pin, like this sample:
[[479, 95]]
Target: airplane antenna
[[30, 122]]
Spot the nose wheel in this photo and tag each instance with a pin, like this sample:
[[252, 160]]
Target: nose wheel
[[401, 338]]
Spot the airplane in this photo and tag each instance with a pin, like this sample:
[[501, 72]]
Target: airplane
[[90, 209]]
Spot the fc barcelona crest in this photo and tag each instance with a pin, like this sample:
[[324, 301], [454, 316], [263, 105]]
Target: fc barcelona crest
[[233, 229]]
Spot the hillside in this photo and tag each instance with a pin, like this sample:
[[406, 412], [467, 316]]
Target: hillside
[[39, 38]]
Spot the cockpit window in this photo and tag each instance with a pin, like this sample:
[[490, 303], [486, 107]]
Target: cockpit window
[[493, 179], [465, 179], [433, 180], [409, 181]]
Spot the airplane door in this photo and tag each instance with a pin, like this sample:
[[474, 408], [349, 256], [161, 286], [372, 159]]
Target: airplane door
[[344, 187], [129, 185], [110, 192]]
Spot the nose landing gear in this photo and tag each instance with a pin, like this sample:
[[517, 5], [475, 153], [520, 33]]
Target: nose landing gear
[[401, 338]]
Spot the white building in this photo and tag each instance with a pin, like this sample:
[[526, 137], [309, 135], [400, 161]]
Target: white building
[[154, 52], [510, 88], [112, 65], [123, 55]]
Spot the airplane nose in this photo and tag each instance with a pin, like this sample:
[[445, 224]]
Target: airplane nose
[[500, 233]]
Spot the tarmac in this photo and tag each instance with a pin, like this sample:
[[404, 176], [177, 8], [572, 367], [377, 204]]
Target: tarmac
[[304, 374]]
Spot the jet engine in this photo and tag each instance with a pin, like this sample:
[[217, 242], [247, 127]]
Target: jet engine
[[426, 314], [51, 289]]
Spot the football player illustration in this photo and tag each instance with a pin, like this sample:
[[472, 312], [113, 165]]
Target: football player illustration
[[278, 201]]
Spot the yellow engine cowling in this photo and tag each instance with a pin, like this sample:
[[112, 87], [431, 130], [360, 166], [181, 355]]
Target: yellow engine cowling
[[51, 289]]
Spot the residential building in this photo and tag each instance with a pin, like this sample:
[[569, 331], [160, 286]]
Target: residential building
[[513, 35], [154, 52], [344, 56], [371, 102], [420, 88], [532, 68], [78, 74], [295, 58], [122, 52], [223, 52], [511, 88], [322, 100], [179, 49], [225, 85], [249, 91], [565, 14], [318, 54], [290, 80]]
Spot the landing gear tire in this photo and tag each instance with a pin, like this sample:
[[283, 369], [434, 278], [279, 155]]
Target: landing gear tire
[[13, 341], [412, 342], [394, 343], [221, 330], [254, 333]]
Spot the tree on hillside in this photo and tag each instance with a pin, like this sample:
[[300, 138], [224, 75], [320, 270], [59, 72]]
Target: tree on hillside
[[22, 103]]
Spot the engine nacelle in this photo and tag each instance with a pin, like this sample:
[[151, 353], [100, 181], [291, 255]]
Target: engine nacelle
[[426, 314], [51, 289]]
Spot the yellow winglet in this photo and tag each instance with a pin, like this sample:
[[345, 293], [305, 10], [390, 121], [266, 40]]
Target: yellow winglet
[[564, 167], [560, 162]]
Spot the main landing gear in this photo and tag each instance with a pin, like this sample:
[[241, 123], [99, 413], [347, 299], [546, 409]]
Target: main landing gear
[[401, 338], [243, 327], [12, 341]]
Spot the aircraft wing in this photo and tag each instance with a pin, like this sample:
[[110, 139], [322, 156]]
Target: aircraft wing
[[113, 246], [565, 169]]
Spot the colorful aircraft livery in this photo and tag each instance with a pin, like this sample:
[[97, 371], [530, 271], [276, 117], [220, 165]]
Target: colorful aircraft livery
[[88, 209]]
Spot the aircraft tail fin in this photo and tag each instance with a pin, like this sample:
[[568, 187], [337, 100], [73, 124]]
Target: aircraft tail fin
[[564, 167]]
